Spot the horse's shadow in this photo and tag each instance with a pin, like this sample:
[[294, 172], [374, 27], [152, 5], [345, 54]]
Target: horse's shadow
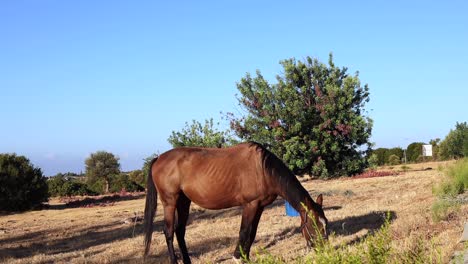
[[344, 227], [371, 221]]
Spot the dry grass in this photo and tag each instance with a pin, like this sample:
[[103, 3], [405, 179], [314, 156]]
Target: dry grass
[[354, 208]]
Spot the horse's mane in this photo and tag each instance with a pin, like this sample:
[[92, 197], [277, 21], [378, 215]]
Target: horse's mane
[[290, 188]]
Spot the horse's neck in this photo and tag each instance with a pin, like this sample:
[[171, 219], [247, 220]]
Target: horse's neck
[[293, 192]]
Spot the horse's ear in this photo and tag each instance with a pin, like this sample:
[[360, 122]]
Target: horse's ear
[[319, 200]]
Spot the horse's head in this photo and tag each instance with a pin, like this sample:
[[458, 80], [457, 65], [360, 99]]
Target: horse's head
[[314, 223]]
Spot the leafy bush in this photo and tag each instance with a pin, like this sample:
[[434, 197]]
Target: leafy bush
[[393, 160], [443, 208], [122, 182], [55, 185], [456, 180], [138, 176], [22, 186], [73, 188], [373, 161], [96, 185], [60, 186], [455, 183], [413, 151]]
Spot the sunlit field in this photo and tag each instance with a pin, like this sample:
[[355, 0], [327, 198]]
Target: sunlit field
[[109, 232]]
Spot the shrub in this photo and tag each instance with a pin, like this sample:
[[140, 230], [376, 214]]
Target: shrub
[[456, 180], [96, 185], [55, 185], [122, 182], [59, 186], [373, 161], [22, 186], [393, 160], [455, 183], [443, 208], [138, 176], [73, 188]]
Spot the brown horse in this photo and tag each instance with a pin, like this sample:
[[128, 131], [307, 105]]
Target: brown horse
[[245, 175]]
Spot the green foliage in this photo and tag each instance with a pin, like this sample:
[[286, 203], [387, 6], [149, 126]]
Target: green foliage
[[146, 167], [454, 183], [61, 186], [455, 144], [394, 160], [373, 161], [97, 186], [314, 112], [198, 135], [74, 188], [414, 151], [377, 247], [456, 180], [122, 182], [55, 185], [382, 155], [101, 165], [22, 186], [139, 177], [443, 208]]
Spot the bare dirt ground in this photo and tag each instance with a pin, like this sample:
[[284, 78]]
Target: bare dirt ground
[[354, 207]]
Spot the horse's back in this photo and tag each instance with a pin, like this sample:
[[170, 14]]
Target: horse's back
[[212, 178]]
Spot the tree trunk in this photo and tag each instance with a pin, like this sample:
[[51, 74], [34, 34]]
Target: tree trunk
[[107, 186]]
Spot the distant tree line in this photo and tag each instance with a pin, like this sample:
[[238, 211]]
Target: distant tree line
[[454, 146]]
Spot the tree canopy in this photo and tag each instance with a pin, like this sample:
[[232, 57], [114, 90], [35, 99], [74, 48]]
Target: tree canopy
[[455, 144], [22, 186], [312, 117], [201, 135], [102, 165]]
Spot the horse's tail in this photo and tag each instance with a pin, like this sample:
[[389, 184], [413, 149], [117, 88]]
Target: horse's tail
[[150, 207]]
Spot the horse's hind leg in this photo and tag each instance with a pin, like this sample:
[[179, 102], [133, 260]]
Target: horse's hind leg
[[183, 209], [250, 218], [169, 215]]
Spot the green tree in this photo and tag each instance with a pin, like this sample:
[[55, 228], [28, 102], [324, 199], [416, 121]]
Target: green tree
[[313, 116], [102, 165], [455, 144], [414, 151], [198, 135], [22, 186], [382, 155]]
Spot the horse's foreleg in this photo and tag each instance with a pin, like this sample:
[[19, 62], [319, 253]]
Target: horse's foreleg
[[250, 218], [169, 212], [183, 208]]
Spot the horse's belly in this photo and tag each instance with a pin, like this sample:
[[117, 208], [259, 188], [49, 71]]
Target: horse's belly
[[212, 198]]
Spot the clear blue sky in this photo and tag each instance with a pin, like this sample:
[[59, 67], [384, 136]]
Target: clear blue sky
[[82, 76]]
